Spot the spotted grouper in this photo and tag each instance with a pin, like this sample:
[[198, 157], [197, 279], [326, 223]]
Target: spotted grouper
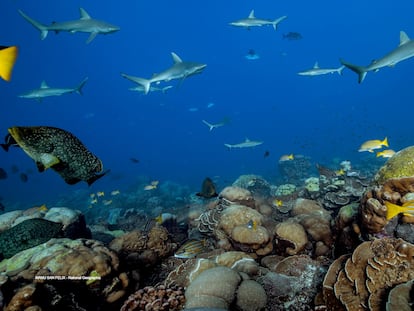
[[27, 234], [54, 148]]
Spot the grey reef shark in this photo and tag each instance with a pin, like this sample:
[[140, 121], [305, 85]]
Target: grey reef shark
[[179, 70], [252, 21], [404, 51], [316, 71], [246, 144], [46, 91], [84, 24]]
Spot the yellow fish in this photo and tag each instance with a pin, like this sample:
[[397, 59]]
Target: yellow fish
[[107, 202], [94, 201], [370, 145], [42, 208], [393, 210], [252, 224], [92, 195], [286, 157], [8, 56], [340, 172], [153, 185], [277, 202], [190, 249], [100, 193], [388, 153], [115, 192], [164, 217]]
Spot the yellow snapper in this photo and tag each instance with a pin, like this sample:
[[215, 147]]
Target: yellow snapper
[[388, 153], [190, 249], [393, 210], [370, 145], [8, 56], [115, 192], [153, 185], [286, 157], [100, 193]]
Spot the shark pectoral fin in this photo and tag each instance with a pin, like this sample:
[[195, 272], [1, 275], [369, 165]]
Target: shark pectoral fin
[[91, 37]]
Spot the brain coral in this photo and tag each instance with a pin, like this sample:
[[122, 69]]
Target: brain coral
[[399, 165]]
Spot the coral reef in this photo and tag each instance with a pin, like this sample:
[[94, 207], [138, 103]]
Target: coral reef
[[257, 185], [362, 280], [156, 298], [51, 269], [141, 248]]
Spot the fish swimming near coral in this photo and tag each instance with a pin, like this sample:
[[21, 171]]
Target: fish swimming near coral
[[8, 56], [27, 234], [388, 153], [371, 145], [286, 157], [393, 209], [54, 148], [153, 185], [190, 249], [252, 224], [166, 218], [208, 189]]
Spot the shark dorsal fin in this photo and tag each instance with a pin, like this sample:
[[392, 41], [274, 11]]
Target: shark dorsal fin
[[43, 85], [176, 58], [251, 15], [316, 66], [83, 14], [403, 38]]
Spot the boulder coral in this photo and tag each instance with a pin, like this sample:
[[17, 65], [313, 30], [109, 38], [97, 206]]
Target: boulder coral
[[237, 195], [251, 296], [290, 237], [213, 288]]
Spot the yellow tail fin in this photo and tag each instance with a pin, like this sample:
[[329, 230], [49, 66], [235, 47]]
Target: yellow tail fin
[[8, 56], [394, 209], [385, 142]]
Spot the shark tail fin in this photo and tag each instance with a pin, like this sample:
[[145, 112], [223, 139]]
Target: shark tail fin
[[41, 27], [141, 81], [359, 70], [80, 86], [277, 21], [340, 69]]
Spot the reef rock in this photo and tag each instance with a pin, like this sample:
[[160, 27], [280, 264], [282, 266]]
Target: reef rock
[[399, 165], [72, 273]]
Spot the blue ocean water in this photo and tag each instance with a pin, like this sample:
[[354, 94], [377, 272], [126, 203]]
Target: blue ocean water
[[325, 118]]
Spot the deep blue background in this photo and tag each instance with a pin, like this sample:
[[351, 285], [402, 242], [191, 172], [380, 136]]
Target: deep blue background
[[325, 117]]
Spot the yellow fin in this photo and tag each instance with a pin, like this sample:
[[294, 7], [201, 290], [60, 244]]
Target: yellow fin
[[394, 209], [8, 57]]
